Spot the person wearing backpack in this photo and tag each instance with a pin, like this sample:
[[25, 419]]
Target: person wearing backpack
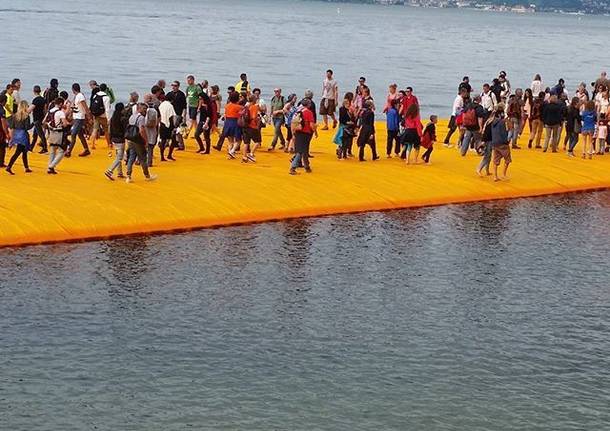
[[472, 121], [500, 142], [52, 92], [152, 130], [243, 120], [100, 109], [252, 131], [118, 126], [56, 122], [135, 137], [278, 103], [304, 128], [4, 131]]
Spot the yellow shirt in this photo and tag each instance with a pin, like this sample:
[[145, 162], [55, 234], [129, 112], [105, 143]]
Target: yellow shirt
[[8, 108], [238, 87]]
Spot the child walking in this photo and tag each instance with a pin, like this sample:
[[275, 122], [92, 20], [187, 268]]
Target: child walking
[[429, 138]]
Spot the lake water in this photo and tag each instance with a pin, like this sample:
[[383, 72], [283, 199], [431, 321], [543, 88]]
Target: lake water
[[475, 317], [131, 44]]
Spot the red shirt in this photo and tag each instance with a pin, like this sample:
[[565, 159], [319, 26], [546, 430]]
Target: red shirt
[[307, 121], [408, 101]]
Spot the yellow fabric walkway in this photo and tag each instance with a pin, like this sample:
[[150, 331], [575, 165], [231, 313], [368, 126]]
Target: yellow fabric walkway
[[200, 191]]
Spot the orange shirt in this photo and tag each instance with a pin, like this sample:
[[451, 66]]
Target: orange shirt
[[232, 110], [253, 116]]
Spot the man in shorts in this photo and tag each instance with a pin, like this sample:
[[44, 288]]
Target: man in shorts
[[330, 95], [500, 143], [193, 91]]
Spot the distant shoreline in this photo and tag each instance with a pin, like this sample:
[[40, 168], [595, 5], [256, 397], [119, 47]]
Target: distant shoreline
[[473, 5]]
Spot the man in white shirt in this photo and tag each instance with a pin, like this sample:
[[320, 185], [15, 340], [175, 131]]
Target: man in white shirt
[[80, 112], [100, 109], [488, 99], [457, 108], [330, 95]]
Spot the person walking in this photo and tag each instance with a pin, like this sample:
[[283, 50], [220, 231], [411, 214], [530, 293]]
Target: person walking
[[203, 124], [330, 95], [552, 117], [135, 136], [278, 102], [393, 129], [56, 122], [4, 131], [366, 133], [118, 125], [536, 124], [80, 113], [456, 110], [20, 124], [573, 124], [589, 121], [304, 129]]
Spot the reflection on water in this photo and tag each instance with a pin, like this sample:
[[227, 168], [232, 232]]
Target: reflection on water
[[484, 316]]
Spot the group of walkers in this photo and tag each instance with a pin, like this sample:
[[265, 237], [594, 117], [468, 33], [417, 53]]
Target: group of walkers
[[493, 120], [489, 122]]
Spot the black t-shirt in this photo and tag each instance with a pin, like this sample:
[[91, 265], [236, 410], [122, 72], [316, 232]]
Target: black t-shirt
[[464, 86], [39, 104], [203, 113], [179, 102]]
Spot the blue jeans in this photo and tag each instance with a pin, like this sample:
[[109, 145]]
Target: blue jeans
[[486, 157], [278, 122], [573, 141], [513, 134], [469, 137]]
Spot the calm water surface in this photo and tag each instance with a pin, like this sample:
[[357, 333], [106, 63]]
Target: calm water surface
[[288, 43], [486, 316]]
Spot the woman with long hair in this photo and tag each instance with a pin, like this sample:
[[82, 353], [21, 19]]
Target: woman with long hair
[[118, 124], [411, 138], [573, 124], [366, 135], [528, 103], [19, 124]]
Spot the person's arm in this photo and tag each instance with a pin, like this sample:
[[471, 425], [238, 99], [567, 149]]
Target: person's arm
[[83, 106], [336, 94], [4, 125], [143, 134]]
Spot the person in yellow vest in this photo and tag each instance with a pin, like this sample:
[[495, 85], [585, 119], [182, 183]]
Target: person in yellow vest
[[243, 85], [9, 106]]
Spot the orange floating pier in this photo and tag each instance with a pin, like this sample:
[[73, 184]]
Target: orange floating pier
[[199, 191]]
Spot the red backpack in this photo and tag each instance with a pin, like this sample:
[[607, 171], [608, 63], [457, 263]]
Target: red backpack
[[244, 117], [470, 118]]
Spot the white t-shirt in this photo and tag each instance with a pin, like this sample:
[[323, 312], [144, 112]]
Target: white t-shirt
[[79, 113], [329, 89], [60, 117], [602, 103], [458, 106]]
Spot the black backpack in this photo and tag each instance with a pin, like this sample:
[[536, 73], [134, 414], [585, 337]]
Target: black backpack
[[97, 105], [132, 132]]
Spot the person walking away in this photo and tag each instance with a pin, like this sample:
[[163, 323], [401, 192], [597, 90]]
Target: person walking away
[[411, 139], [38, 108], [429, 138], [573, 124], [231, 130], [366, 134], [4, 131], [203, 125], [277, 116], [347, 124], [393, 129], [118, 126], [501, 145], [552, 117], [536, 121], [151, 123], [602, 134], [80, 112], [330, 95], [55, 123], [166, 127], [487, 140], [514, 114], [251, 130], [20, 124], [100, 109], [589, 121], [135, 136], [456, 110], [304, 129], [472, 121]]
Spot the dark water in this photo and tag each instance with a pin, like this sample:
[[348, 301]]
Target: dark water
[[490, 316]]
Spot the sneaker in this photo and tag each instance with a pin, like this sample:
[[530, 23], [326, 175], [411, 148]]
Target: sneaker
[[109, 175], [120, 176], [51, 171], [128, 180], [292, 172], [271, 149], [334, 124], [217, 148], [231, 155], [570, 154], [9, 171], [251, 158], [308, 170], [151, 177], [68, 154], [84, 153], [43, 151], [28, 171], [516, 147], [244, 160]]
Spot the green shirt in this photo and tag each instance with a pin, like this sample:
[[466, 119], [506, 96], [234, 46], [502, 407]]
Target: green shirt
[[192, 95]]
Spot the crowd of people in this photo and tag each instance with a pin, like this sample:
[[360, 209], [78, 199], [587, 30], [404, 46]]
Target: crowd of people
[[489, 122]]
